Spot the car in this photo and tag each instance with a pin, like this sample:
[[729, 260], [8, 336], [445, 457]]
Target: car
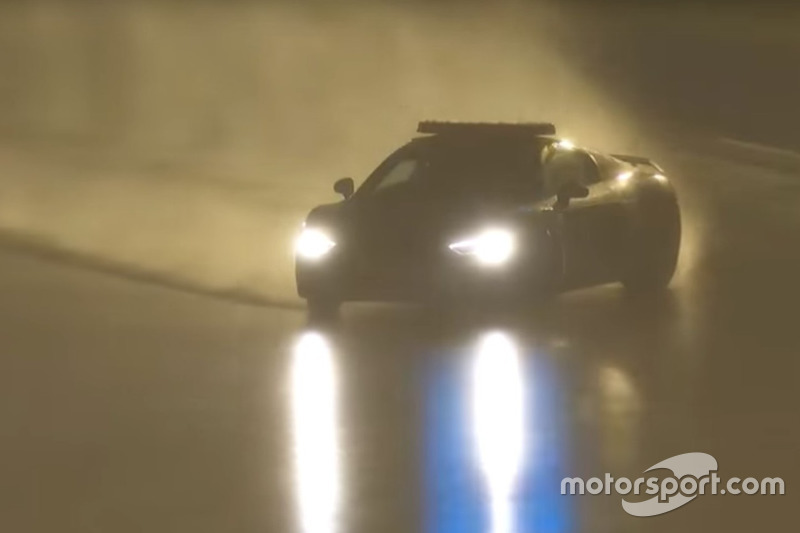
[[486, 212]]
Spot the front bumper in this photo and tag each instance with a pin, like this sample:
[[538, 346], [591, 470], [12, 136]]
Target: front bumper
[[445, 276]]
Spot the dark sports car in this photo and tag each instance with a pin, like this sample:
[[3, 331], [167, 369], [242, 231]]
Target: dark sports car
[[490, 211]]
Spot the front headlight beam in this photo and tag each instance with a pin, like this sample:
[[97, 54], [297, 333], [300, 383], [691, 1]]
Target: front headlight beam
[[313, 244], [490, 247]]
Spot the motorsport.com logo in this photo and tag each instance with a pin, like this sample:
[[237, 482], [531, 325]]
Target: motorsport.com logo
[[693, 474]]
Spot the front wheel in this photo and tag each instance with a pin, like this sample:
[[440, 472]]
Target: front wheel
[[322, 308], [656, 248], [650, 280]]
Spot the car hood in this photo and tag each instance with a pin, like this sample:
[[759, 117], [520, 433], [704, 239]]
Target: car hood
[[434, 220]]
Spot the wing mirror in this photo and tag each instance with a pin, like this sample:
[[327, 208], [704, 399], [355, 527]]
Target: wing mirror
[[568, 191], [345, 187]]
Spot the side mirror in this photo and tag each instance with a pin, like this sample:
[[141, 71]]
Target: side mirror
[[345, 187], [568, 191]]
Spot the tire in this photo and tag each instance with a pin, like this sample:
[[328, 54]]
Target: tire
[[652, 280], [656, 249], [323, 308]]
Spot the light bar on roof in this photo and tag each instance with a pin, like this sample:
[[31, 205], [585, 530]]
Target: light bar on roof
[[529, 128]]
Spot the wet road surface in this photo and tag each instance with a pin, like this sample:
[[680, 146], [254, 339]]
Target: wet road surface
[[129, 407]]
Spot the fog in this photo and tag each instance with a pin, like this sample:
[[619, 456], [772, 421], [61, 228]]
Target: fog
[[190, 138]]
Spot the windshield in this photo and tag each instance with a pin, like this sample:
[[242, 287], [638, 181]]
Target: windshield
[[453, 169]]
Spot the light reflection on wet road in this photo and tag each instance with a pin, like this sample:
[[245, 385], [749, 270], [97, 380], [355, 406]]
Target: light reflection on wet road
[[494, 444], [127, 407], [316, 443], [501, 402]]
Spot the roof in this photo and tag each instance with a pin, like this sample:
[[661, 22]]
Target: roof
[[486, 128]]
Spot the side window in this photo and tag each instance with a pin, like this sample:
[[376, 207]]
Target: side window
[[591, 172], [560, 170], [568, 167], [400, 173], [608, 167]]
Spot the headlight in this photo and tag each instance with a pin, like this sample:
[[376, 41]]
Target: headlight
[[313, 244], [490, 247]]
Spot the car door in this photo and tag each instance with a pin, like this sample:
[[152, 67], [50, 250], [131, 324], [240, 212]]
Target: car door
[[591, 229]]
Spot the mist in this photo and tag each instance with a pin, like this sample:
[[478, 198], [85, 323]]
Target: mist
[[190, 138]]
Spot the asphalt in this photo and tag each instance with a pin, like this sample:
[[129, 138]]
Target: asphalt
[[128, 406]]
